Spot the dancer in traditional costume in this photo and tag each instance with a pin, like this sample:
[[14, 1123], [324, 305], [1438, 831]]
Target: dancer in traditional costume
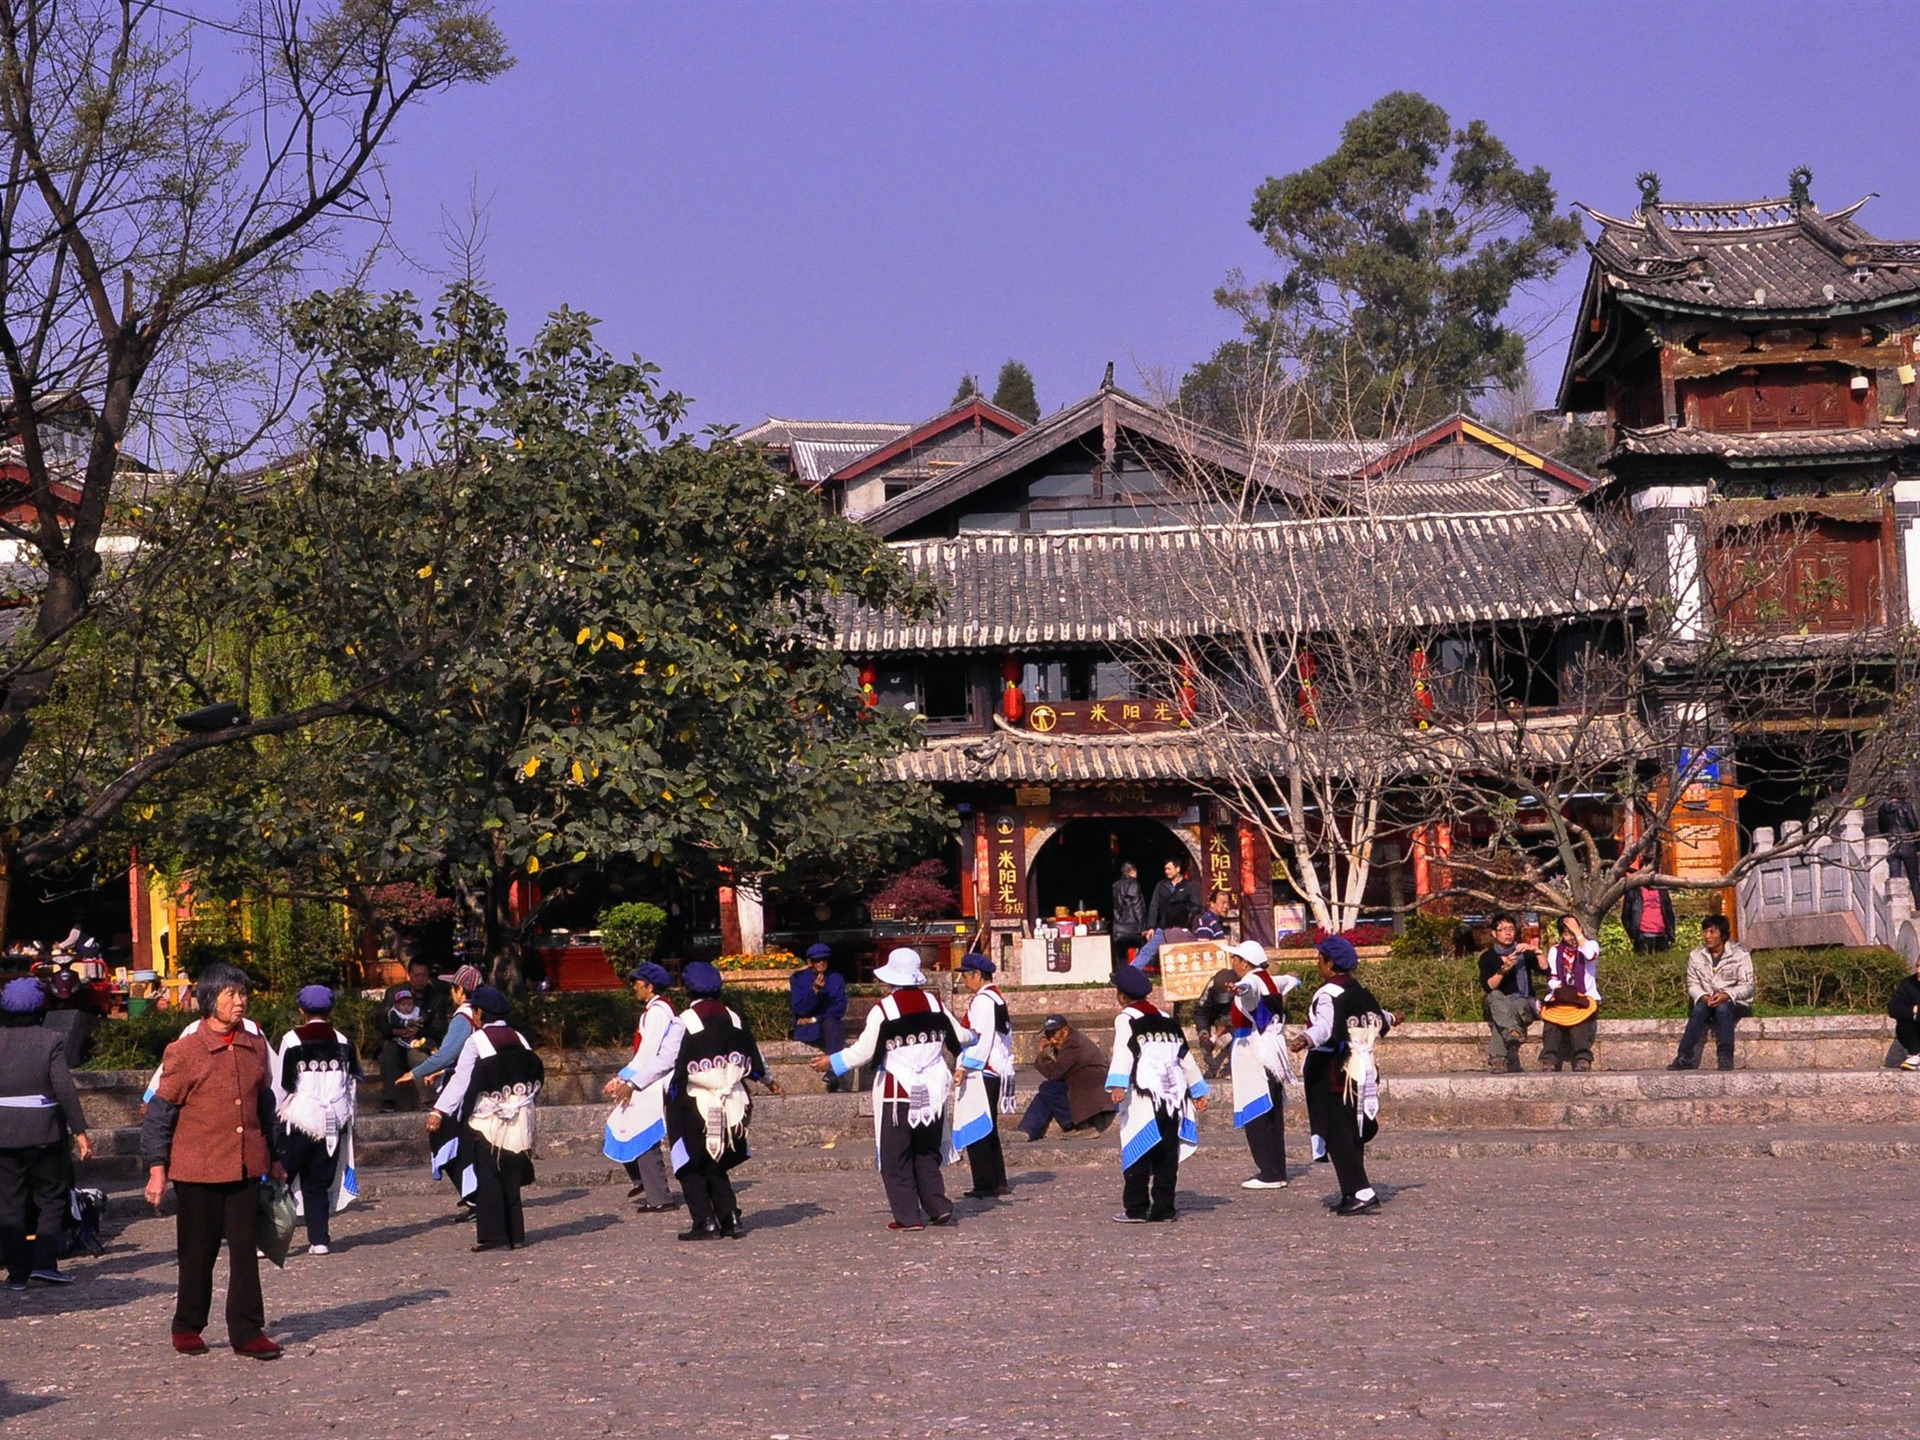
[[1160, 1090], [637, 1129], [1341, 1080], [912, 1034], [489, 1103], [1257, 1020], [315, 1072], [985, 1078], [708, 1109]]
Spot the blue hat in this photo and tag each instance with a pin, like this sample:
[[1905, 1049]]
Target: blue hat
[[979, 963], [489, 1000], [819, 952], [24, 996], [315, 1000], [654, 975], [1132, 982], [701, 978], [1338, 952]]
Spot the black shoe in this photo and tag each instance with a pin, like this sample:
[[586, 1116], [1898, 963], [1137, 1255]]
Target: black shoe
[[702, 1230], [491, 1245], [636, 1191], [1680, 1062], [946, 1219], [656, 1209], [1355, 1206], [733, 1226], [1726, 1061]]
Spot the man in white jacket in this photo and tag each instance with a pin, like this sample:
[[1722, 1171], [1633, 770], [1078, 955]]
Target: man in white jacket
[[985, 1077], [1257, 1020], [636, 1133]]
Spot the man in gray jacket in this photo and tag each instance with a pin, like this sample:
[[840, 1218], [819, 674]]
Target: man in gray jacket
[[39, 1108], [1720, 984]]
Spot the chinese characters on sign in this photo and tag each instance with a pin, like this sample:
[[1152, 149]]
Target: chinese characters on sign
[[1219, 862], [1004, 847], [1104, 717]]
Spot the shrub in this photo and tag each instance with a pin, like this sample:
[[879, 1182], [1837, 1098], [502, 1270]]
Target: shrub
[[1426, 935], [629, 932], [918, 893]]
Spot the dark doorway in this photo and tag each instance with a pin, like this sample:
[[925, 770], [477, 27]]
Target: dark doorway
[[1078, 865]]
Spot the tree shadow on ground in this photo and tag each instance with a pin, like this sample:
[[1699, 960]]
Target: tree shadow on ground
[[1191, 1202], [585, 1225], [557, 1197], [388, 1234], [311, 1324], [107, 1292], [118, 1260]]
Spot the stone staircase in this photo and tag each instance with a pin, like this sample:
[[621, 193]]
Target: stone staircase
[[1822, 1076]]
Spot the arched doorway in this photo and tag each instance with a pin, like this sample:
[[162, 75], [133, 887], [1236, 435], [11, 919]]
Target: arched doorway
[[1078, 864]]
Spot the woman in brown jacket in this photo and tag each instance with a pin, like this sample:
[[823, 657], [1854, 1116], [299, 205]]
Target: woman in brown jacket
[[209, 1129], [1073, 1087]]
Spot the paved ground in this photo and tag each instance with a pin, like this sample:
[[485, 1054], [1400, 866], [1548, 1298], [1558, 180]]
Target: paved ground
[[1510, 1296]]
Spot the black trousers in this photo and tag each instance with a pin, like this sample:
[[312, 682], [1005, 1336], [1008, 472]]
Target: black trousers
[[1147, 1185], [1567, 1043], [1337, 1122], [497, 1177], [1267, 1136], [708, 1186], [395, 1060], [208, 1215], [984, 1157], [311, 1167], [1722, 1017], [910, 1166], [34, 1181], [1906, 1034]]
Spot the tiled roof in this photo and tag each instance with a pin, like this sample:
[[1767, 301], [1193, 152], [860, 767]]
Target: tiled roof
[[1018, 757], [1430, 494], [1028, 589], [779, 434], [1757, 257], [1794, 445]]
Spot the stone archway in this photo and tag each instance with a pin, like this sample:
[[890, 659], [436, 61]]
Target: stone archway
[[1074, 862]]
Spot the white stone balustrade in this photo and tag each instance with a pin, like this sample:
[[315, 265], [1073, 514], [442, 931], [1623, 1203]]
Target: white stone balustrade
[[1837, 890]]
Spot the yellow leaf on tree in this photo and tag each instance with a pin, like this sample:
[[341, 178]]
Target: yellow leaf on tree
[[358, 816], [533, 864], [586, 634], [641, 668], [579, 774], [424, 571], [531, 767], [617, 641], [666, 795]]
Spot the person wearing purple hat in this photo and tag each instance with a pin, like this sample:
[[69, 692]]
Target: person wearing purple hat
[[985, 1079], [636, 1132], [316, 1072], [1161, 1092], [708, 1108], [488, 1105], [819, 999], [1343, 1022], [460, 1027], [39, 1110]]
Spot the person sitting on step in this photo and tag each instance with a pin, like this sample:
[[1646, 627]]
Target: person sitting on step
[[1720, 983], [1904, 1007]]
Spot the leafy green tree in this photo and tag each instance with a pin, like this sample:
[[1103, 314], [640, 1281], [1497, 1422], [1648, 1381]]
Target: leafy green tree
[[1401, 254], [154, 215], [1013, 392], [967, 389], [629, 647], [1583, 447]]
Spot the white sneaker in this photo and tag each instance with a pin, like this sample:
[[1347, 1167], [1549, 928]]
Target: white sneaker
[[1912, 1062], [318, 1250], [1256, 1183]]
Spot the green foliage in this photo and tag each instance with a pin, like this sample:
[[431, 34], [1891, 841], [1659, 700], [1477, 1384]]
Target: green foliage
[[629, 932], [967, 389], [1424, 935], [1013, 392], [597, 637], [1401, 252], [139, 1042], [1582, 447]]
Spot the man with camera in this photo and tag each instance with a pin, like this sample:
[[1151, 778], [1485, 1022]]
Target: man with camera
[[1506, 977]]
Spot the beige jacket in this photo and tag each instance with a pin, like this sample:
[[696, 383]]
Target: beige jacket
[[1734, 973]]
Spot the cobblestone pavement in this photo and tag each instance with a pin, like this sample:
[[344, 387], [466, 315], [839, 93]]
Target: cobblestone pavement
[[1501, 1297]]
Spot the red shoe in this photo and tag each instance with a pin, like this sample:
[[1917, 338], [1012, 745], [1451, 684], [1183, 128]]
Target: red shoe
[[188, 1342], [258, 1348], [896, 1225]]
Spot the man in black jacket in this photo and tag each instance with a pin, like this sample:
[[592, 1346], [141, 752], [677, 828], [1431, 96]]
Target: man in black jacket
[[1904, 1007], [1898, 824], [1174, 905], [39, 1110]]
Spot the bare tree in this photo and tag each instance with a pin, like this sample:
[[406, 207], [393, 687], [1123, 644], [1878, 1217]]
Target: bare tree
[[170, 182]]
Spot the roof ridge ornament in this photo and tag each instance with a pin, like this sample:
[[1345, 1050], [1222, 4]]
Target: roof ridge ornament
[[1649, 184], [1800, 187]]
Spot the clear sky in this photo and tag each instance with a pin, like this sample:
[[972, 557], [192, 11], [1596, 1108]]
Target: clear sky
[[833, 210]]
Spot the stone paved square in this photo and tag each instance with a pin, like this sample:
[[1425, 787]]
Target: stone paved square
[[1505, 1297]]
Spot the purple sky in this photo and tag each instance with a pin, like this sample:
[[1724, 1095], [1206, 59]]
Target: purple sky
[[834, 210]]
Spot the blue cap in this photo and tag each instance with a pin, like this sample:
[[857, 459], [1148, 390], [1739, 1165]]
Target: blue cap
[[315, 1000], [1132, 982], [701, 978], [654, 975], [819, 952], [980, 963], [1338, 952], [489, 1000], [24, 996]]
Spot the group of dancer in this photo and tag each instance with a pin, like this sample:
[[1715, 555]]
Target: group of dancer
[[941, 1080]]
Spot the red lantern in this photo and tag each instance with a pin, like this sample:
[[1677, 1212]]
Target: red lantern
[[1309, 711], [869, 696], [1013, 704], [1422, 694], [1187, 693]]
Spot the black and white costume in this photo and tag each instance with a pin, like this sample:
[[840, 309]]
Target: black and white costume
[[1341, 1082], [1261, 1071], [713, 1054], [491, 1097], [911, 1034], [315, 1073], [1158, 1124], [986, 1089]]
